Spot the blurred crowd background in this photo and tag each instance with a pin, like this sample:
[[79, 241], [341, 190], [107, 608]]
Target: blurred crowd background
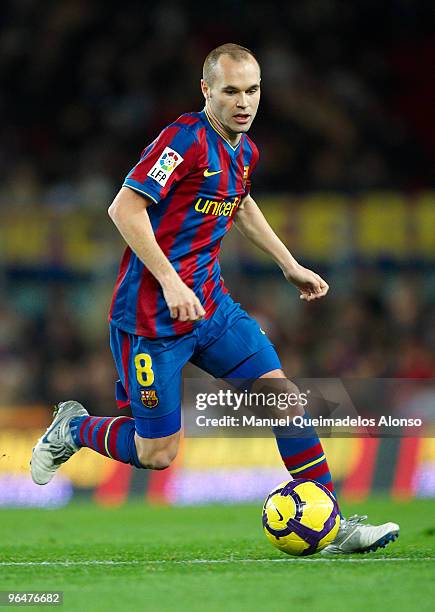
[[348, 110]]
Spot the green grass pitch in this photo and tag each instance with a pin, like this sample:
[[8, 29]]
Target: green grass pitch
[[209, 558]]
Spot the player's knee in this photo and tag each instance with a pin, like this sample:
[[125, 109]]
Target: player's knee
[[296, 399], [288, 399], [160, 461], [156, 460]]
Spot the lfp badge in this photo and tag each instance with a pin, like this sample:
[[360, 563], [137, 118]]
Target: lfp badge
[[165, 166], [149, 398], [169, 160]]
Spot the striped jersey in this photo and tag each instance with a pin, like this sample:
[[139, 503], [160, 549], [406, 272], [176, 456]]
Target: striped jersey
[[195, 180]]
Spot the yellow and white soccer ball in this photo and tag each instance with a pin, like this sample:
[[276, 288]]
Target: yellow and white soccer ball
[[300, 517]]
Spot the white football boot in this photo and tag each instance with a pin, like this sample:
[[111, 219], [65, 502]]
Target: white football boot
[[355, 537], [56, 446]]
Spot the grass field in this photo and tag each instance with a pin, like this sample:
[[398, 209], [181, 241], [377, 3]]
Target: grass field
[[209, 558]]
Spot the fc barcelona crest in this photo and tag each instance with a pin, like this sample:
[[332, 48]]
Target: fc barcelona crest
[[149, 398]]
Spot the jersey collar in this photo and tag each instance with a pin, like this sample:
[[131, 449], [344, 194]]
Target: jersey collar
[[234, 148]]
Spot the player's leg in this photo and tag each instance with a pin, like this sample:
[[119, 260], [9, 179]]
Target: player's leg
[[150, 383], [300, 448], [115, 437], [241, 351], [118, 438], [234, 346]]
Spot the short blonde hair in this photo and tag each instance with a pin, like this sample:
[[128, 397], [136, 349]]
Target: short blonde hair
[[236, 52]]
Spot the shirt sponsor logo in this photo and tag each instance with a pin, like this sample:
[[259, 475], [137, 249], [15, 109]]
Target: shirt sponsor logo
[[165, 165], [216, 208]]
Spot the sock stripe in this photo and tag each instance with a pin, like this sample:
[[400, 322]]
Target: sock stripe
[[314, 472], [83, 429], [112, 431], [112, 437], [99, 433], [307, 454], [106, 436], [90, 431], [300, 466], [94, 439], [303, 455], [307, 465]]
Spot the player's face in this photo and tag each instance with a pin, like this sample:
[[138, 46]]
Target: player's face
[[234, 94]]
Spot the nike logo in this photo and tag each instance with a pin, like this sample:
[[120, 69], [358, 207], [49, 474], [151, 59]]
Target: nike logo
[[208, 173], [281, 518]]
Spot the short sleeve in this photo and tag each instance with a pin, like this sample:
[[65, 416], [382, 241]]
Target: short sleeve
[[164, 163]]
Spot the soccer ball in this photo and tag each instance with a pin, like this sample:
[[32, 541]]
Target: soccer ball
[[300, 517]]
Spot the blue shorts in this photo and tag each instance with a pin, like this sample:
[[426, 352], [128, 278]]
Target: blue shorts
[[229, 344]]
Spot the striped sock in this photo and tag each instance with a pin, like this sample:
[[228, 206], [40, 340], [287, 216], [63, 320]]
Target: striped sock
[[304, 457], [109, 436]]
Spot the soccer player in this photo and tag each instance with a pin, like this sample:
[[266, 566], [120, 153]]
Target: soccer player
[[170, 305]]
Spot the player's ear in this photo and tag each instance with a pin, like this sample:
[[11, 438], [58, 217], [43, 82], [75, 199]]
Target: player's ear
[[205, 89]]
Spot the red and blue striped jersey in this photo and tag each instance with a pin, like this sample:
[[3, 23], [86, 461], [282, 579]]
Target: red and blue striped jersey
[[195, 180]]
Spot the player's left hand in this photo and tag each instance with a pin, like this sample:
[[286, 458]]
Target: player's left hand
[[311, 285]]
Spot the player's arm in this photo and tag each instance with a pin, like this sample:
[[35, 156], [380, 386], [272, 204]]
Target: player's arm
[[129, 213], [251, 222]]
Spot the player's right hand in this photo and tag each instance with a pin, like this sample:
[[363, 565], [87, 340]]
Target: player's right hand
[[182, 302]]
